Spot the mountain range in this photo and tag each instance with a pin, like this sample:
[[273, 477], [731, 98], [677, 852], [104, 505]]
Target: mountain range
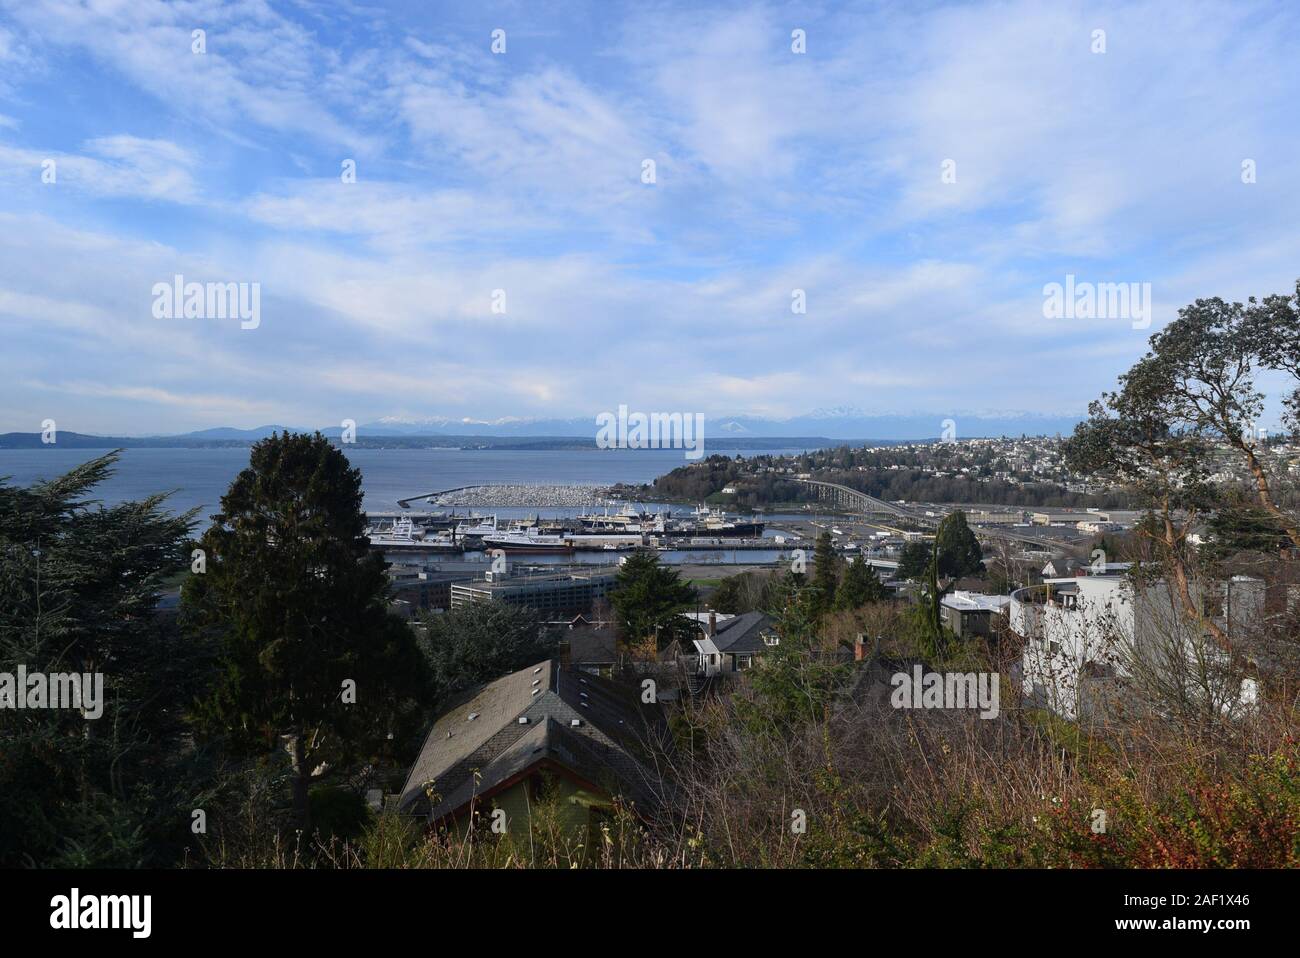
[[819, 428]]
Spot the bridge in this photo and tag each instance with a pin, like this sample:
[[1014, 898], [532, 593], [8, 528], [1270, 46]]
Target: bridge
[[853, 500], [856, 501]]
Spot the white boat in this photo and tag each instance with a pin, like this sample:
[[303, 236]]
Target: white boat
[[402, 535], [485, 526], [529, 539]]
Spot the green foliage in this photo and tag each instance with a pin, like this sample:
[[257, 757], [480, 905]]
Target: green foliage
[[79, 584], [825, 578], [479, 642], [791, 683], [1241, 527], [914, 560], [959, 551], [299, 606], [860, 586], [647, 598], [1193, 394], [339, 812]]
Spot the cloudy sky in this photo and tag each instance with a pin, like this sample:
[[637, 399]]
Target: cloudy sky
[[522, 171]]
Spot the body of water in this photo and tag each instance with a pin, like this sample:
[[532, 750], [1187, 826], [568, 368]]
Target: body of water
[[199, 477]]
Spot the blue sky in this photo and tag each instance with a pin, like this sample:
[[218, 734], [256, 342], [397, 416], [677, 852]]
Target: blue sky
[[521, 171]]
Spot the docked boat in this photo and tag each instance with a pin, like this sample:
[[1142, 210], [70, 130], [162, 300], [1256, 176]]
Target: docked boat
[[403, 536], [715, 522], [474, 531], [528, 540]]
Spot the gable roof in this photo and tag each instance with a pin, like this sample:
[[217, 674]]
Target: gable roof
[[743, 633], [589, 645], [504, 728]]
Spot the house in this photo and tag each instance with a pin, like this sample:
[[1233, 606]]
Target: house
[[1061, 567], [539, 733], [591, 647], [730, 643], [1087, 636], [971, 613]]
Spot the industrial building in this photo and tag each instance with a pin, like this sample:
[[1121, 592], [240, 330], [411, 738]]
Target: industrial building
[[562, 592]]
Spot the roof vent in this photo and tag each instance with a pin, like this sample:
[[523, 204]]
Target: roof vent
[[536, 691], [583, 681], [586, 705], [537, 681], [575, 722], [523, 720], [448, 735], [536, 670], [472, 716]]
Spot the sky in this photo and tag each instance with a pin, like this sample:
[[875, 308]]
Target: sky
[[920, 172]]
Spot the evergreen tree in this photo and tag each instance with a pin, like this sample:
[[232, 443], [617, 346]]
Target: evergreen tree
[[859, 586], [311, 658], [914, 560], [826, 575], [647, 598], [479, 642], [959, 551], [79, 589]]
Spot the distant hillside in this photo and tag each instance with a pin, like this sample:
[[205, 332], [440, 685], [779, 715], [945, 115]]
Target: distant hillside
[[232, 438]]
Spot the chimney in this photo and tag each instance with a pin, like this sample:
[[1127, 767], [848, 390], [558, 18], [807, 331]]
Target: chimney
[[860, 652], [713, 624]]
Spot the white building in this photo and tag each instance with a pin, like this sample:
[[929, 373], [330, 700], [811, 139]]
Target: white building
[[1102, 627]]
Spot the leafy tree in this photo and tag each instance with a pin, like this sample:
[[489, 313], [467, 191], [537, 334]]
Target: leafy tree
[[310, 654], [746, 592], [647, 598], [1200, 376], [859, 586], [1161, 432], [481, 641], [79, 587], [1128, 440]]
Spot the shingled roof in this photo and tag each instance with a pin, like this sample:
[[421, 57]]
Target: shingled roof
[[742, 633], [593, 729]]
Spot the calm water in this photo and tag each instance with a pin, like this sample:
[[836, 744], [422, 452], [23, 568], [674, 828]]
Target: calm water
[[198, 477]]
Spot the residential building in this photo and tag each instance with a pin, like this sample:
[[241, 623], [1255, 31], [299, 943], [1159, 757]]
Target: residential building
[[1086, 637], [969, 614], [535, 735], [728, 644]]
